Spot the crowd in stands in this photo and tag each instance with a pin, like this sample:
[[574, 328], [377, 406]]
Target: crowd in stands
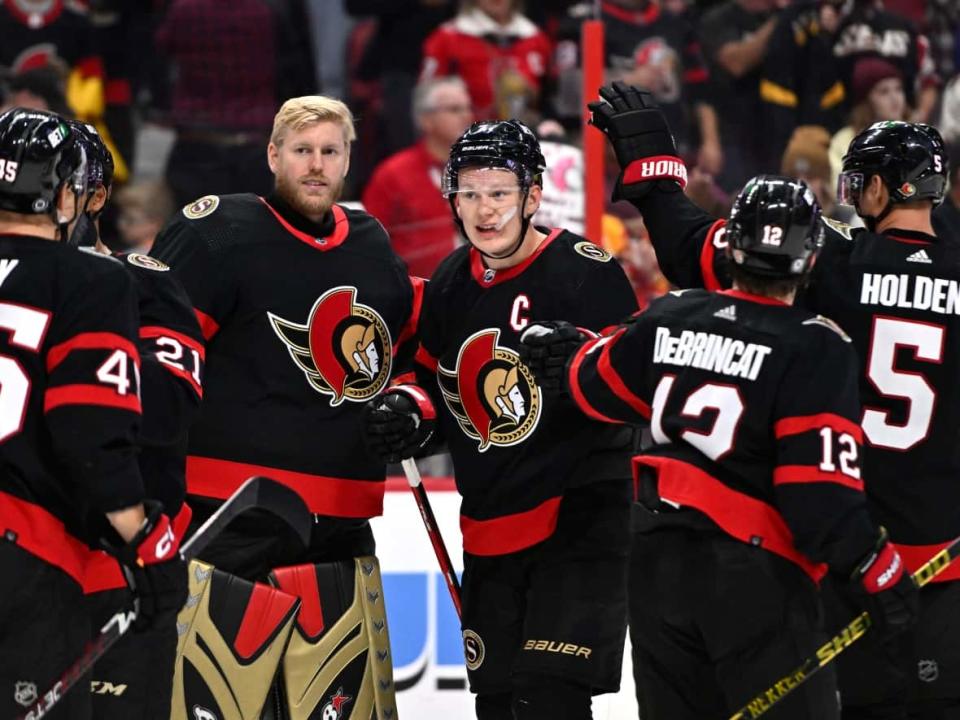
[[749, 86]]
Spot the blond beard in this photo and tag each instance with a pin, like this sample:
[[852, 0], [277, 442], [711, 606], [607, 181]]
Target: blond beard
[[312, 207]]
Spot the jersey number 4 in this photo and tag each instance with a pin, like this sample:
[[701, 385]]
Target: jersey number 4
[[926, 340]]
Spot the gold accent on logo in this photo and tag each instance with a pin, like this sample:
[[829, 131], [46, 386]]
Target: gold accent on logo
[[201, 207], [474, 650], [147, 262], [592, 251]]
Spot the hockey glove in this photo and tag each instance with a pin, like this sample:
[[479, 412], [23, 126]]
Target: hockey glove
[[645, 148], [154, 570], [399, 423], [545, 348], [886, 590]]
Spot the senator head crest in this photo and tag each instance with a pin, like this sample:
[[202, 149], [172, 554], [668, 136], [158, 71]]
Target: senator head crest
[[344, 349], [491, 393]]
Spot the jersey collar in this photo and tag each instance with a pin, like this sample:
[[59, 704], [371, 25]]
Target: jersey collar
[[911, 237], [341, 227], [750, 297], [488, 277]]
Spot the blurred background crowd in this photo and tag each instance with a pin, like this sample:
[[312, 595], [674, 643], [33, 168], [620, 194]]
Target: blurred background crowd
[[185, 92]]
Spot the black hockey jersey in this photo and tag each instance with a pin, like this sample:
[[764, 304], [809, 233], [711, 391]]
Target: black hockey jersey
[[516, 448], [171, 362], [301, 330], [898, 297], [69, 396], [747, 427]]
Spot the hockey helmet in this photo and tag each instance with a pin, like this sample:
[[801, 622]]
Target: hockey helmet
[[910, 158], [100, 164], [503, 144], [774, 228], [39, 154]]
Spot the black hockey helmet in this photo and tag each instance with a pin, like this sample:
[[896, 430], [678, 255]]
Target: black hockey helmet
[[910, 158], [39, 154], [502, 144], [100, 166], [774, 228]]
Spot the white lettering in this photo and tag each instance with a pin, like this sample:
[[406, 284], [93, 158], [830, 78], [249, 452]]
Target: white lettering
[[708, 351], [937, 295]]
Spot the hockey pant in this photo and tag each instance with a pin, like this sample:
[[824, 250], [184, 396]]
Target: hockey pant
[[312, 644]]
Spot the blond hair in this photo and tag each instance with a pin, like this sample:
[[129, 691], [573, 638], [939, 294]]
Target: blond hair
[[299, 112]]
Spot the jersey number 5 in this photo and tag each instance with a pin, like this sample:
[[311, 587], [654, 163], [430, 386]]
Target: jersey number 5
[[26, 328], [926, 340]]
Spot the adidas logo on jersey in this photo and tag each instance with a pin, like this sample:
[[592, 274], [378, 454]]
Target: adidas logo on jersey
[[919, 256], [727, 313]]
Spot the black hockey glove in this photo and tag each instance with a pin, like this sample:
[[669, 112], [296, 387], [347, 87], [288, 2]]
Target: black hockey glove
[[641, 138], [886, 590], [400, 423], [154, 570], [546, 347]]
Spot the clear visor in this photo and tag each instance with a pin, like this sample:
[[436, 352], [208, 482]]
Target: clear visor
[[498, 197], [849, 187], [478, 178]]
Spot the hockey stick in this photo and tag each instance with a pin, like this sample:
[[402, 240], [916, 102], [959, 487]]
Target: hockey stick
[[256, 492], [436, 539], [838, 643]]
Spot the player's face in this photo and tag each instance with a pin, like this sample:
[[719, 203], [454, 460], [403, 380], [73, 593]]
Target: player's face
[[488, 202], [499, 10], [309, 167]]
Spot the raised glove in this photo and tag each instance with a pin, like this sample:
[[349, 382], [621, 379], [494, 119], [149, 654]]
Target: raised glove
[[399, 423], [641, 139], [545, 348], [885, 590], [153, 568]]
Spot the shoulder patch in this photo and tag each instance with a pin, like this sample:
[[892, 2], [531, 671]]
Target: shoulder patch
[[592, 251], [201, 207], [147, 262], [840, 227], [93, 251], [828, 323]]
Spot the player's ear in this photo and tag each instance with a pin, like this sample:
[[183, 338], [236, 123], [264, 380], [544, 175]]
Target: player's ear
[[533, 200], [273, 152]]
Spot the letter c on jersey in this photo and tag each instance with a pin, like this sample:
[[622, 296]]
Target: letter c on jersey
[[520, 304]]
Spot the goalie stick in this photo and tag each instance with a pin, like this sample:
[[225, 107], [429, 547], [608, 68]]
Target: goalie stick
[[825, 654], [430, 522], [256, 492]]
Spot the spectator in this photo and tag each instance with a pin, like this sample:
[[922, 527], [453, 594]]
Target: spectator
[[946, 218], [950, 115], [735, 37], [500, 54], [877, 93], [404, 191], [142, 210], [37, 89], [807, 158], [228, 72], [393, 57]]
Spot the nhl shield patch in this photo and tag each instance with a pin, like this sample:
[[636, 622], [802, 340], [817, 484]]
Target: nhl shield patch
[[25, 693]]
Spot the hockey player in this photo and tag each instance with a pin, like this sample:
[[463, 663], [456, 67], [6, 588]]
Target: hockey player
[[894, 288], [303, 305], [171, 360], [545, 494], [753, 484], [70, 415]]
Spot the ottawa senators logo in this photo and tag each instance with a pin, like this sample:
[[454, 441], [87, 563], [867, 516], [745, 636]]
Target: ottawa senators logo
[[344, 349], [490, 392]]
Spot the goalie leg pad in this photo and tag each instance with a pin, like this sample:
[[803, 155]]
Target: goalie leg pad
[[232, 634], [338, 664]]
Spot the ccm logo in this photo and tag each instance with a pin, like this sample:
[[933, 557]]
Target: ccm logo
[[558, 647], [102, 687]]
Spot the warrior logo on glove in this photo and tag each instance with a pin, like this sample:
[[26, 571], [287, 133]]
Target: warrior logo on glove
[[491, 393], [344, 349]]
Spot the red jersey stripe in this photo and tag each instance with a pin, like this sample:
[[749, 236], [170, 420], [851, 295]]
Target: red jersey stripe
[[613, 380], [804, 423], [90, 341], [89, 395], [208, 326], [573, 374], [793, 474], [510, 533]]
